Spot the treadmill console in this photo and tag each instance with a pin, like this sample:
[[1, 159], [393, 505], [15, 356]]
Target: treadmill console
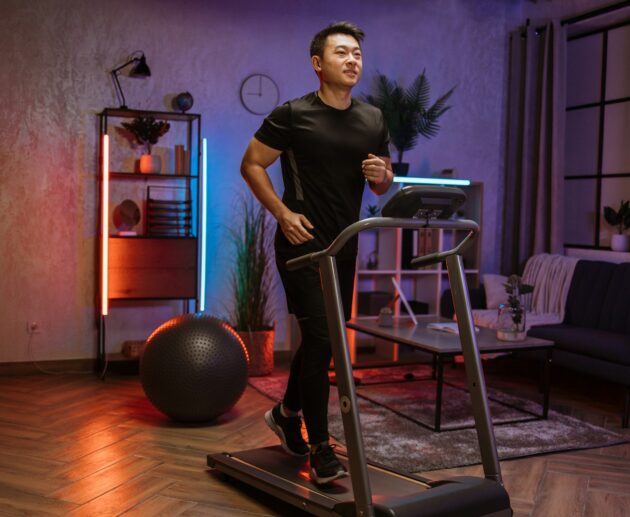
[[417, 202]]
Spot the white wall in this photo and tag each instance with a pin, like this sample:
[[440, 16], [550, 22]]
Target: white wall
[[54, 81]]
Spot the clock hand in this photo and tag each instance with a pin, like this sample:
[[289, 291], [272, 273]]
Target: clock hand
[[260, 85]]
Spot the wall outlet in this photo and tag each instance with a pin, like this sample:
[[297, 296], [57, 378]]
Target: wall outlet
[[32, 327]]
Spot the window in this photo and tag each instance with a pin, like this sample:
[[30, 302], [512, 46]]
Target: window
[[597, 147]]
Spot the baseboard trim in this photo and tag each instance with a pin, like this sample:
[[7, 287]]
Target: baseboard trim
[[52, 367], [85, 365]]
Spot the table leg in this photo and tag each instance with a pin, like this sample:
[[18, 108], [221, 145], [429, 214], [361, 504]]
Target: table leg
[[547, 383], [433, 366], [626, 409], [438, 392]]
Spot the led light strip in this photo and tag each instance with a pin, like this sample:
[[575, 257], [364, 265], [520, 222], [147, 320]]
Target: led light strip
[[430, 181], [105, 227], [202, 229]]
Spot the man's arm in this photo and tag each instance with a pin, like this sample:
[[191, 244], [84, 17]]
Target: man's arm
[[257, 158], [378, 172]]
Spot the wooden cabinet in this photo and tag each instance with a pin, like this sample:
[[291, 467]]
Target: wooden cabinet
[[155, 268], [150, 224]]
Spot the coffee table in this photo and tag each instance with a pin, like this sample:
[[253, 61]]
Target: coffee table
[[444, 345]]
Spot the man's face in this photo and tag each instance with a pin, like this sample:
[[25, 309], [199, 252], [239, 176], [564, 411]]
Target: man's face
[[341, 63]]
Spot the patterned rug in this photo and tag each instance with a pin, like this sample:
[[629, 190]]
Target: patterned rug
[[392, 415]]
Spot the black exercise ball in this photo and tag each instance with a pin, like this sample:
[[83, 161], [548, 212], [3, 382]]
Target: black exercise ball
[[194, 368]]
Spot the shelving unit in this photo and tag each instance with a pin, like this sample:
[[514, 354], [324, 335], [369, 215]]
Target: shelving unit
[[393, 249], [161, 257]]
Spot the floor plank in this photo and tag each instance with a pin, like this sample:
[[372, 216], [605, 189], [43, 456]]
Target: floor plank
[[561, 495], [77, 445]]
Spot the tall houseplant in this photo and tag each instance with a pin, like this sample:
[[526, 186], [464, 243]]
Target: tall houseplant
[[147, 131], [407, 113], [619, 219], [251, 313]]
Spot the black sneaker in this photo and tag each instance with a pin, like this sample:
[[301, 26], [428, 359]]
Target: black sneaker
[[289, 430], [325, 467]]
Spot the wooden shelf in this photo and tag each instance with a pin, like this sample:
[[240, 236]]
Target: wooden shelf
[[164, 115], [152, 176]]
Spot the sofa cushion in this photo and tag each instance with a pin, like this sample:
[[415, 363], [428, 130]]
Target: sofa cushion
[[587, 293], [494, 286], [615, 314], [602, 344]]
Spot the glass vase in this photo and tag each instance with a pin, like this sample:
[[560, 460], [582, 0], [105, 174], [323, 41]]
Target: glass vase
[[511, 323]]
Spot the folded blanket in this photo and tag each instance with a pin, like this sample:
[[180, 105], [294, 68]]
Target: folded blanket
[[551, 277]]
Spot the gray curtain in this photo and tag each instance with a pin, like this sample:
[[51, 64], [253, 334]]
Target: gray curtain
[[533, 184]]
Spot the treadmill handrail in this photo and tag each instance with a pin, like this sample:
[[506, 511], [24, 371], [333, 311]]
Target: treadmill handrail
[[383, 222], [439, 256]]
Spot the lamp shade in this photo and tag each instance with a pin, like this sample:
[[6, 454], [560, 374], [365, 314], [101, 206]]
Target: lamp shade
[[140, 69]]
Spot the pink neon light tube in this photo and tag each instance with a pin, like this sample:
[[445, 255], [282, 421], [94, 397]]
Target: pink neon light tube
[[105, 227]]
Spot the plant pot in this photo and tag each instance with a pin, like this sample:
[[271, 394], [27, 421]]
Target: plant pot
[[620, 242], [259, 345], [400, 168], [150, 164]]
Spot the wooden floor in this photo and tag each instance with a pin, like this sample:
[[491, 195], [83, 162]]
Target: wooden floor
[[72, 444]]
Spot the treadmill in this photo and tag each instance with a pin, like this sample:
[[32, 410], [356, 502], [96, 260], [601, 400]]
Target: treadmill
[[373, 490]]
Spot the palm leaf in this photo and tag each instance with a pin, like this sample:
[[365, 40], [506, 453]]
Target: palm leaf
[[406, 112], [418, 93], [428, 122]]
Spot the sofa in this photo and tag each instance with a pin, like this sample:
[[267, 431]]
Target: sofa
[[593, 333]]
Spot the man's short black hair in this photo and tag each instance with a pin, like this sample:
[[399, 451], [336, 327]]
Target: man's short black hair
[[319, 40]]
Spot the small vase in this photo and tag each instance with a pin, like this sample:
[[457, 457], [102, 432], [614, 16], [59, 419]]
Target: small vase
[[150, 164], [511, 323], [620, 242]]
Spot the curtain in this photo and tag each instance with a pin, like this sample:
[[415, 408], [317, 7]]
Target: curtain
[[533, 183]]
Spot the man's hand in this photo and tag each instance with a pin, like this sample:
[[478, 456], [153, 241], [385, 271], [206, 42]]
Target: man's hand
[[378, 172], [374, 169], [295, 227]]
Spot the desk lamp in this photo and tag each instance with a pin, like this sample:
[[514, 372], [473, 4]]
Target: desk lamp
[[140, 69]]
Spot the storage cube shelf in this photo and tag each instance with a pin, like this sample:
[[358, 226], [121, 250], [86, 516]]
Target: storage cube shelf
[[385, 254]]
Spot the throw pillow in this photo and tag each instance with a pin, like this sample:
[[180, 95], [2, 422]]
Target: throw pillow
[[495, 290]]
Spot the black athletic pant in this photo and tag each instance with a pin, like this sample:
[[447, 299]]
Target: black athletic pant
[[308, 386]]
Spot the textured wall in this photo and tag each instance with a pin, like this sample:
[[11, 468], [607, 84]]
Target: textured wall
[[54, 80]]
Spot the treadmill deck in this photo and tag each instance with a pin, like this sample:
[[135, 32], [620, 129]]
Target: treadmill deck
[[272, 470]]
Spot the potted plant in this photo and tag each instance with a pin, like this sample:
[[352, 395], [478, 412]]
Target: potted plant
[[407, 113], [511, 321], [147, 131], [251, 313], [620, 219]]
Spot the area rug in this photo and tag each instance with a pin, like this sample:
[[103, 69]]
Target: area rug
[[391, 408]]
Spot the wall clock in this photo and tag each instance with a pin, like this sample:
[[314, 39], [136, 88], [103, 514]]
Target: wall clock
[[259, 94]]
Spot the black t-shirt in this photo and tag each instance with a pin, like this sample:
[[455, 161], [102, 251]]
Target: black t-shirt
[[322, 150]]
